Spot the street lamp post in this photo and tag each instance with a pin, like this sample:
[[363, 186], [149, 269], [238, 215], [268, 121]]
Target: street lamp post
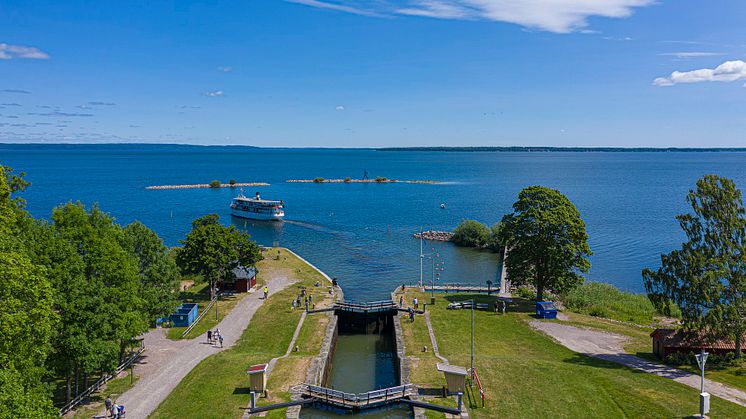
[[704, 398]]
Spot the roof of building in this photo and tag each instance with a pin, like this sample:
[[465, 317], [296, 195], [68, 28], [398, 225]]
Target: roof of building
[[671, 338], [451, 369], [242, 272]]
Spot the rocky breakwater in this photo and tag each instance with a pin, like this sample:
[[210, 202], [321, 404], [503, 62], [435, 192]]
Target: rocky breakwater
[[443, 236], [207, 185]]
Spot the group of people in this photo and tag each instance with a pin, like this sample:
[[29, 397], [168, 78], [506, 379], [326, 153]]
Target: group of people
[[307, 299], [215, 336], [114, 410]]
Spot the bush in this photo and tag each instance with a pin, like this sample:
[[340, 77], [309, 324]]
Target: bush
[[215, 184], [524, 292], [604, 300], [381, 179], [493, 242], [471, 233], [347, 179], [713, 360], [318, 180], [232, 182]]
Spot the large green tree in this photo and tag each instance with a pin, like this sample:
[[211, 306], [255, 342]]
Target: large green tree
[[159, 275], [706, 278], [547, 242], [27, 318], [212, 250]]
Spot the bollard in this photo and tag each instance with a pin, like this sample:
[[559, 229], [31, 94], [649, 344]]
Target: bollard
[[459, 395], [253, 399]]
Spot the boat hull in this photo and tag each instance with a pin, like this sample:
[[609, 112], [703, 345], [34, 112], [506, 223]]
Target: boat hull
[[256, 215]]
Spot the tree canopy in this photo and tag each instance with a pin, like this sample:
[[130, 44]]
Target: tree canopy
[[471, 233], [547, 241], [706, 278], [213, 250]]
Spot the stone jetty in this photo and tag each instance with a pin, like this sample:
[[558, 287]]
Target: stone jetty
[[379, 180], [443, 236], [206, 185]]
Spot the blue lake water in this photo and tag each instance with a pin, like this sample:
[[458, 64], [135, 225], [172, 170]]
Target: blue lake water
[[361, 233]]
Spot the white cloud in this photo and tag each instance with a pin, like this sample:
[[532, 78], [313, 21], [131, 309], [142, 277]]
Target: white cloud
[[225, 69], [560, 16], [691, 54], [340, 108], [8, 52], [728, 71], [217, 93]]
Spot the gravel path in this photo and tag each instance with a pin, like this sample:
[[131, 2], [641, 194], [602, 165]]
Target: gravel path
[[166, 362], [610, 347], [433, 341]]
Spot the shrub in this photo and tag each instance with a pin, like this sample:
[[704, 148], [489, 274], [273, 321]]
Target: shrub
[[347, 179], [215, 184], [471, 233], [318, 180], [713, 360], [380, 179], [604, 300], [524, 292], [493, 242], [232, 182]]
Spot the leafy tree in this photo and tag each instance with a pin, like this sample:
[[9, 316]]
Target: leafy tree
[[706, 278], [159, 275], [26, 315], [213, 250], [493, 241], [471, 233], [547, 242]]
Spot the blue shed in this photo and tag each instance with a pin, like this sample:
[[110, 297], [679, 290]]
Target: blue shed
[[546, 310], [185, 315]]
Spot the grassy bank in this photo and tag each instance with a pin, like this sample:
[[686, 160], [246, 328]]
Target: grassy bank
[[200, 294], [527, 374], [114, 388], [218, 386], [599, 299]]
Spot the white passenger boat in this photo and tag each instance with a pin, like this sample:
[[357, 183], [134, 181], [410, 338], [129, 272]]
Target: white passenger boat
[[257, 208]]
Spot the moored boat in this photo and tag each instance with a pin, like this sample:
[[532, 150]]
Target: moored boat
[[257, 208]]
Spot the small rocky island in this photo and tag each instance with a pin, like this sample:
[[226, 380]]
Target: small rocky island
[[443, 236]]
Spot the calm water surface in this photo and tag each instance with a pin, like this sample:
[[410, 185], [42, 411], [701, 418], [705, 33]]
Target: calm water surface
[[361, 233]]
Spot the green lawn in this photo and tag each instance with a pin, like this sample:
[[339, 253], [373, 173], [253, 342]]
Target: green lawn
[[113, 389], [218, 386], [526, 374]]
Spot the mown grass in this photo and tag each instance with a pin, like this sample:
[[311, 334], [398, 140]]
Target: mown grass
[[527, 374], [114, 388], [599, 299], [218, 386]]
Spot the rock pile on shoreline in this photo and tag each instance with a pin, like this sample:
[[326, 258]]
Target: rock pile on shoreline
[[206, 185], [443, 236]]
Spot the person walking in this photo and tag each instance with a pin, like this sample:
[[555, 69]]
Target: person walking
[[415, 302], [209, 336], [292, 306], [266, 292], [108, 403], [220, 338], [401, 301]]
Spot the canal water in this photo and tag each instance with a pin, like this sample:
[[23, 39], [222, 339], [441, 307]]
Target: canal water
[[363, 362]]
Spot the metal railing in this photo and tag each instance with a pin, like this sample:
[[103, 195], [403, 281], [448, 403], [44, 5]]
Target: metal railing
[[365, 307], [101, 381], [354, 400]]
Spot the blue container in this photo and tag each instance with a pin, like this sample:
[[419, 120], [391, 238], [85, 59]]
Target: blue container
[[546, 310], [185, 315]]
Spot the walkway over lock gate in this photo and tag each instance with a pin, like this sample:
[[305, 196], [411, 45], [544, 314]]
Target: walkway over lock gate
[[356, 401]]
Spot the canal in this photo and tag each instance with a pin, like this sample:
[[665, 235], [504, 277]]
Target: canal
[[364, 359]]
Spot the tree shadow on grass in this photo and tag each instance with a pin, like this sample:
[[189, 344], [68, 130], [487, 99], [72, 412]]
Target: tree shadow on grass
[[518, 305]]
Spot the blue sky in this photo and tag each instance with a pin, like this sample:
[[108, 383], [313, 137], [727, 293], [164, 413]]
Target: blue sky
[[375, 72]]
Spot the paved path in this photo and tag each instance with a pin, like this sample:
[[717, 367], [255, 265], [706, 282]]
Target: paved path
[[166, 362], [609, 347], [433, 341]]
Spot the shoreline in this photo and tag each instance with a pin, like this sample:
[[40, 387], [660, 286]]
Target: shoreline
[[206, 186]]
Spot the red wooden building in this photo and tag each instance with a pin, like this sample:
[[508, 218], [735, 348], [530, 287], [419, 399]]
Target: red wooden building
[[245, 279], [669, 341]]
